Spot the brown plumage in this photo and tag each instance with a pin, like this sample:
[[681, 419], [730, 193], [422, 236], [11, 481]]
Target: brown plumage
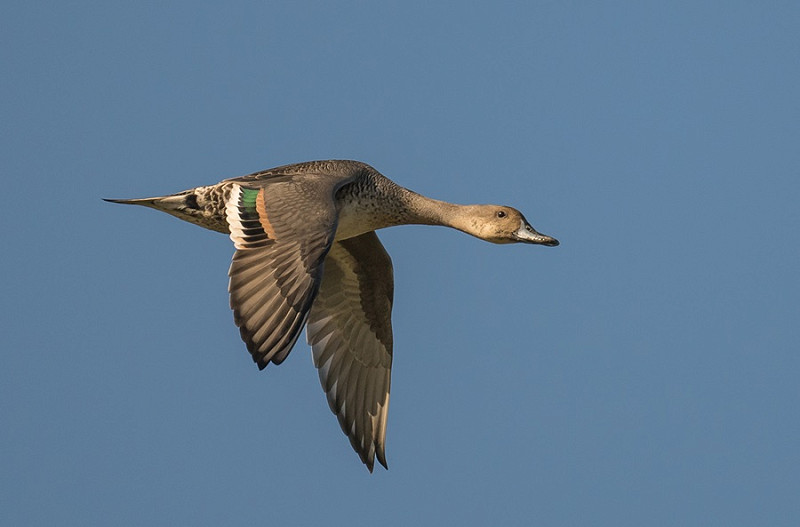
[[307, 255]]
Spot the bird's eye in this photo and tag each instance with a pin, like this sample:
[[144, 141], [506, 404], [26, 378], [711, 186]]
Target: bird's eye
[[501, 214]]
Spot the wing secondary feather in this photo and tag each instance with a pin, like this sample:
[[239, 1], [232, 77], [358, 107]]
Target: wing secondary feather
[[277, 267]]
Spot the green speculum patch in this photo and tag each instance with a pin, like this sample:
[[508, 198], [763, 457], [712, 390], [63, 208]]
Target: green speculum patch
[[248, 199]]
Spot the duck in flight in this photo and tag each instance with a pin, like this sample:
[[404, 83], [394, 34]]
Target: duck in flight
[[307, 255]]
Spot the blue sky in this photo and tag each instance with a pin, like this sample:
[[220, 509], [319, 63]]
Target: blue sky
[[642, 373]]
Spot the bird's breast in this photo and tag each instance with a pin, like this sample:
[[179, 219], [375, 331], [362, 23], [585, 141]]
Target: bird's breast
[[359, 214]]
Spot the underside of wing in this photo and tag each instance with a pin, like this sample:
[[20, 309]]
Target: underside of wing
[[350, 332]]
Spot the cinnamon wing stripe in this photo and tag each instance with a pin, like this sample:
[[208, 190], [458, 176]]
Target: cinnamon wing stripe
[[276, 270]]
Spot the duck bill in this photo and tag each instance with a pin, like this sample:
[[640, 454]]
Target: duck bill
[[527, 234]]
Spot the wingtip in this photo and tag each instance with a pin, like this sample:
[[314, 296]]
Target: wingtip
[[382, 460], [369, 462]]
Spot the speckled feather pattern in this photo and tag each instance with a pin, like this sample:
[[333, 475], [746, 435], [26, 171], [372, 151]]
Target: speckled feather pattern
[[369, 202], [306, 252]]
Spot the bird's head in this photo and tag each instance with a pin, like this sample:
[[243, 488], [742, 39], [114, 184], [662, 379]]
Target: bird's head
[[502, 224]]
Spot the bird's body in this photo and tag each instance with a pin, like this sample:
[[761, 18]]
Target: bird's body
[[307, 254]]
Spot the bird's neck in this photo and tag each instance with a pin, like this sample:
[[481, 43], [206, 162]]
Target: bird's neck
[[423, 210]]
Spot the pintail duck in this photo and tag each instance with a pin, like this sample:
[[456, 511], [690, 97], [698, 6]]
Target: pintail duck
[[307, 254]]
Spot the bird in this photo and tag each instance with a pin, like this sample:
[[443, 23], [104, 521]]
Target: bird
[[307, 255]]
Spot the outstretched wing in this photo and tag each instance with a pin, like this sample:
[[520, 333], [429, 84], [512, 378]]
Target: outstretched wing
[[350, 332], [282, 229]]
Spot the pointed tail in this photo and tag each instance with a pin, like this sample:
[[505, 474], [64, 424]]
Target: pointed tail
[[183, 206], [147, 202]]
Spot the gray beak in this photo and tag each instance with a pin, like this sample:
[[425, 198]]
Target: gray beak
[[528, 234]]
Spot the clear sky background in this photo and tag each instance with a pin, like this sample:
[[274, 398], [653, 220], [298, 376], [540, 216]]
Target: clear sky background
[[645, 372]]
